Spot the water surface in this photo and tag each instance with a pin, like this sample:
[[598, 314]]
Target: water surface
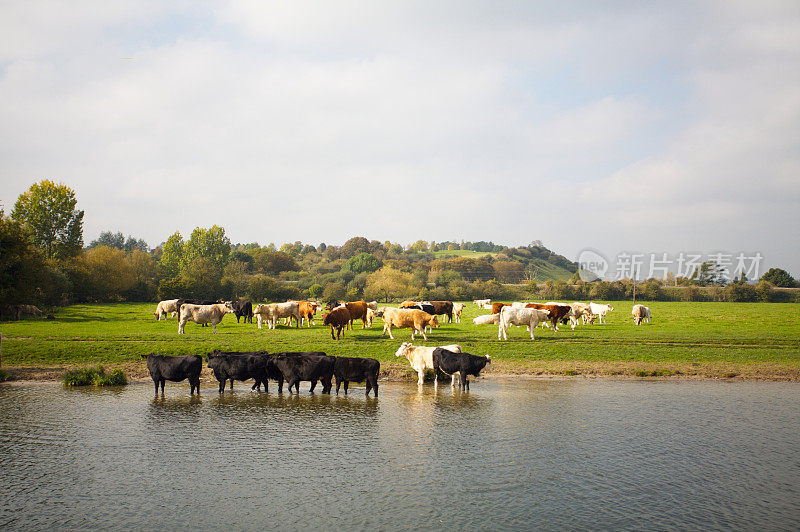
[[509, 454]]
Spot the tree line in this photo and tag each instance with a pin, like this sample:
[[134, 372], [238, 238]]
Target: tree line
[[44, 262]]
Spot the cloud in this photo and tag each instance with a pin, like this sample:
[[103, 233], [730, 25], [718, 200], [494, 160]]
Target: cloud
[[317, 121]]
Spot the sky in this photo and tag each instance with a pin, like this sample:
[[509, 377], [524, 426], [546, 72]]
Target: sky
[[624, 127]]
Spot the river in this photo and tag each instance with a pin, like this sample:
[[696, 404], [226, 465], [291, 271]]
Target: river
[[509, 454]]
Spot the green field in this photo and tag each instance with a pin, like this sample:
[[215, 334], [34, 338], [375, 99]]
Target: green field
[[744, 340]]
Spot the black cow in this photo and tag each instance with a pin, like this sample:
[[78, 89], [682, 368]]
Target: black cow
[[243, 309], [442, 308], [347, 369], [463, 363], [240, 366], [165, 368], [309, 366]]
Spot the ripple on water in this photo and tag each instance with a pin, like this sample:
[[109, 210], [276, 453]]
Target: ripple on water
[[507, 454]]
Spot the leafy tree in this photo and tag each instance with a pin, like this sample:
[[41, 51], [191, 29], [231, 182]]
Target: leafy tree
[[107, 238], [509, 271], [48, 211], [779, 277], [22, 265], [363, 262], [274, 262], [354, 246], [387, 284], [315, 291], [334, 291], [212, 246], [102, 274], [172, 256]]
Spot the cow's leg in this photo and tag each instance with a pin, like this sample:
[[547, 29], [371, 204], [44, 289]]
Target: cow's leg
[[346, 383], [424, 335], [390, 333], [338, 385], [231, 383], [421, 375], [156, 383], [313, 385]]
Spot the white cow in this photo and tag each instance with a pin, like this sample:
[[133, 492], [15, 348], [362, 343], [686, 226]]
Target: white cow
[[520, 316], [640, 314], [212, 314], [421, 358], [165, 307], [580, 311], [519, 304], [483, 303], [486, 319], [600, 310], [457, 309]]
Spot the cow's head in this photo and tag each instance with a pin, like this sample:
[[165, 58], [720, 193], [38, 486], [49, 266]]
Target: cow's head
[[610, 308], [379, 313], [488, 360], [434, 322], [229, 307], [403, 350]]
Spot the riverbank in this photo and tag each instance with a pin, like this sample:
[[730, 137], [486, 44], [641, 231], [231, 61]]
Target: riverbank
[[137, 372], [740, 341]]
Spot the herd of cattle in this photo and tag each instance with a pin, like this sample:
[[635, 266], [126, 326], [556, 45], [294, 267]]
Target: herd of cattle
[[313, 366], [294, 367], [419, 316]]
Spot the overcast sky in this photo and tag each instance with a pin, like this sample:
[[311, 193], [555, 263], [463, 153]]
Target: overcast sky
[[639, 126]]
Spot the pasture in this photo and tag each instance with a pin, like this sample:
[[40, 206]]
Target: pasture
[[688, 340]]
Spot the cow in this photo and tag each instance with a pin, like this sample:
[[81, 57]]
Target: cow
[[518, 304], [346, 369], [444, 308], [308, 366], [558, 312], [358, 311], [486, 319], [307, 311], [580, 311], [181, 302], [373, 305], [640, 314], [243, 309], [290, 309], [424, 307], [417, 320], [520, 316], [212, 314], [497, 306], [462, 363], [600, 310], [370, 317], [264, 313], [483, 303], [241, 366], [421, 357], [457, 309], [165, 307], [338, 319], [166, 368]]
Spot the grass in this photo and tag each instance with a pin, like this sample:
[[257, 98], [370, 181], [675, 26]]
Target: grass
[[747, 340], [94, 376]]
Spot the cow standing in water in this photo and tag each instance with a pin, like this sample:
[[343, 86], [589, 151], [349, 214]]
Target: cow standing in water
[[165, 368]]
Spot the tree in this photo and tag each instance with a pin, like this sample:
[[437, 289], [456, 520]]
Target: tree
[[22, 265], [354, 246], [48, 211], [387, 284], [212, 246], [171, 256], [779, 277], [363, 262]]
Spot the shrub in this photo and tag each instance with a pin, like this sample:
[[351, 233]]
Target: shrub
[[4, 376], [94, 376]]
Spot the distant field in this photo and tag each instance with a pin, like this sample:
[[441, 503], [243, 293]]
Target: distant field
[[750, 340]]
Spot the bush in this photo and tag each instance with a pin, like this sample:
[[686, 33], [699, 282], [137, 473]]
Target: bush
[[265, 288], [94, 376], [315, 291], [4, 376]]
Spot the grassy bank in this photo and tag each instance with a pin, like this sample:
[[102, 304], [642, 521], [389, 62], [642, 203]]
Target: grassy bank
[[707, 340]]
